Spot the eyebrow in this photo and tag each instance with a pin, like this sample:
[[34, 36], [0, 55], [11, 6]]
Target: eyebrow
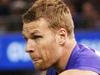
[[23, 34], [32, 33]]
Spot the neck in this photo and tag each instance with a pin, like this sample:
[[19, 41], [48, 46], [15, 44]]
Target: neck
[[67, 50]]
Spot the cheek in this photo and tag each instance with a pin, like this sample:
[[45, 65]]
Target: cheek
[[49, 54], [45, 53]]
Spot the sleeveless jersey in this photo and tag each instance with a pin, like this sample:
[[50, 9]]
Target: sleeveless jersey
[[82, 58]]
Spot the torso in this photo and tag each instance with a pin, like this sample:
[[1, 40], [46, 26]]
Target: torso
[[82, 58]]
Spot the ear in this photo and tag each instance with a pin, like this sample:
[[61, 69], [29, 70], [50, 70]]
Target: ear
[[61, 36]]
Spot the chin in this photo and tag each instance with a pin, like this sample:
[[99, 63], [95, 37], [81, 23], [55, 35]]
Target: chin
[[42, 68]]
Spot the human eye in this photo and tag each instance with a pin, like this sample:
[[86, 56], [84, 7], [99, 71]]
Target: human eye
[[35, 37], [25, 38]]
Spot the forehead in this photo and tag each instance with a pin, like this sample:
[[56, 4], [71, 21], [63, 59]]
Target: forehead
[[35, 26]]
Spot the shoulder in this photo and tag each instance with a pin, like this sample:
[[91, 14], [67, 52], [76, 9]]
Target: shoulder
[[87, 54], [85, 59], [78, 72]]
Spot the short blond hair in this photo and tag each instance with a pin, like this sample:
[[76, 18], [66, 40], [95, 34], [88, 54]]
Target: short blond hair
[[56, 12]]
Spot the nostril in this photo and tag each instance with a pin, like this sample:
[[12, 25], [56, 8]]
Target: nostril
[[29, 51], [30, 46]]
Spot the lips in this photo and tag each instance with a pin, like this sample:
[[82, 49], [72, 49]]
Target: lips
[[36, 59]]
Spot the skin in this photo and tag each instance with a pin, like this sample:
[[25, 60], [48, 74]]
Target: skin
[[45, 46], [48, 48], [78, 72], [41, 44]]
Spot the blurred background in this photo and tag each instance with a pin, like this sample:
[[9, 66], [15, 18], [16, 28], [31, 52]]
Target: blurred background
[[14, 60]]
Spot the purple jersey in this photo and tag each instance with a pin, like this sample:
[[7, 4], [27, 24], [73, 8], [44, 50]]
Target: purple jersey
[[82, 58]]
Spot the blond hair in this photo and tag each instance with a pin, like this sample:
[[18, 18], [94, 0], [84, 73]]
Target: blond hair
[[56, 12]]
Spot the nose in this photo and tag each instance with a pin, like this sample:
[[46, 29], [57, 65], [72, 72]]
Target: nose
[[30, 46]]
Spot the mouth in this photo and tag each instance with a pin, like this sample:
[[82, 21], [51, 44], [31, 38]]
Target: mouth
[[36, 60]]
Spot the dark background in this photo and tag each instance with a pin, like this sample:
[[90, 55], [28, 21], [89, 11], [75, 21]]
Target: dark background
[[86, 16]]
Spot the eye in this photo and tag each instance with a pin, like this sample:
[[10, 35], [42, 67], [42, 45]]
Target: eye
[[25, 38], [36, 37]]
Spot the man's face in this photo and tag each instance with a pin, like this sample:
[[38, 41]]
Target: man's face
[[41, 44]]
